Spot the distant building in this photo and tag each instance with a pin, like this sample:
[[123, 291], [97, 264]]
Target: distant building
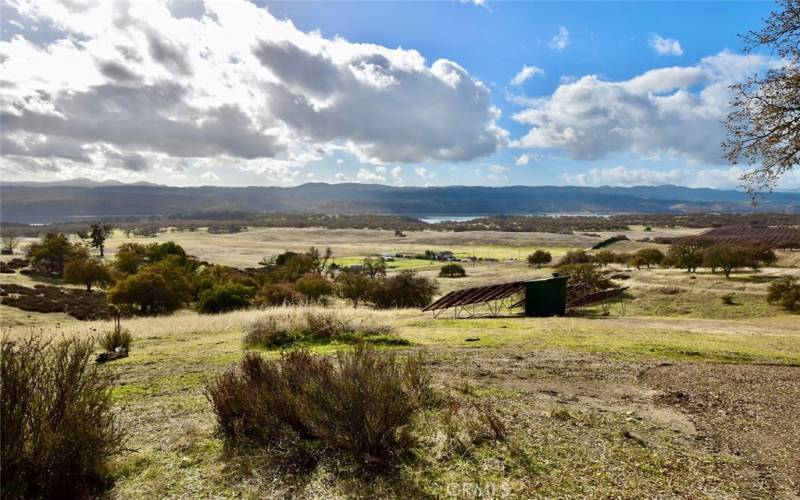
[[445, 255]]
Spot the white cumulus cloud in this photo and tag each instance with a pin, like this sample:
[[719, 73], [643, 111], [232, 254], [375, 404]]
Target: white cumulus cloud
[[560, 40], [210, 176], [675, 111], [665, 46], [369, 176], [525, 74]]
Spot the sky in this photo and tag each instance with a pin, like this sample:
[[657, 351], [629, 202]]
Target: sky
[[235, 93]]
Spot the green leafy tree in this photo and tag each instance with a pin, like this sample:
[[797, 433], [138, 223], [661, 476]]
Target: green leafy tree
[[604, 257], [649, 257], [353, 286], [99, 233], [727, 257], [686, 253], [83, 270], [539, 258], [49, 255], [314, 287], [157, 288], [129, 258], [762, 255], [373, 267]]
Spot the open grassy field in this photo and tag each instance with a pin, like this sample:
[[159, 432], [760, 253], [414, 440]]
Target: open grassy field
[[682, 396]]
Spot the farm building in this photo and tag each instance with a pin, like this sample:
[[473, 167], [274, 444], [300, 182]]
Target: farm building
[[541, 297]]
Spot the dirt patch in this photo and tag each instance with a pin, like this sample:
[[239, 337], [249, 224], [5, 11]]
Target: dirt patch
[[748, 411], [598, 382]]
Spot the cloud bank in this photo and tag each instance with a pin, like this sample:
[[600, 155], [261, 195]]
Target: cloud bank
[[132, 85]]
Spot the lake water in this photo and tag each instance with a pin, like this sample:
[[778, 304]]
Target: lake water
[[448, 218]]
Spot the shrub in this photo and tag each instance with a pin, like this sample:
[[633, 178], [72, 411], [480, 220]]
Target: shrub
[[278, 294], [353, 286], [404, 289], [604, 257], [588, 274], [273, 331], [118, 339], [729, 299], [362, 403], [314, 287], [224, 298], [786, 292], [622, 258], [573, 257], [268, 332], [44, 298], [452, 271], [539, 258], [58, 425]]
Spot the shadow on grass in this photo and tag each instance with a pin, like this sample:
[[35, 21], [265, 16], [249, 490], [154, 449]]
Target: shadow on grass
[[753, 279], [291, 468]]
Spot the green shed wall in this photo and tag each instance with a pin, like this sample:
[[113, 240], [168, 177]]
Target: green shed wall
[[547, 297]]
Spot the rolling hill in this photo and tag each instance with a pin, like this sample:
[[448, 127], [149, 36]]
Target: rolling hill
[[68, 201]]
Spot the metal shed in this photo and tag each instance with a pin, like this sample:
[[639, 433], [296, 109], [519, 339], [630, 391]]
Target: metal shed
[[546, 297]]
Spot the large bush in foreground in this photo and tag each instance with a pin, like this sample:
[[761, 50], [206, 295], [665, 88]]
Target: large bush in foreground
[[361, 403], [58, 425]]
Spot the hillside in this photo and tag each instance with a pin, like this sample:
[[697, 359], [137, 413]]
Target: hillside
[[54, 202]]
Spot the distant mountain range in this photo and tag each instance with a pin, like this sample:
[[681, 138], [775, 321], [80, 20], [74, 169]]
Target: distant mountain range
[[83, 198]]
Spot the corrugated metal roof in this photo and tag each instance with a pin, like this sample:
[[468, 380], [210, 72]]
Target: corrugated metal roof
[[595, 297], [478, 295]]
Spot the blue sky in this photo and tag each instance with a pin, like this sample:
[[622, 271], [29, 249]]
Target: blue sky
[[403, 93]]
